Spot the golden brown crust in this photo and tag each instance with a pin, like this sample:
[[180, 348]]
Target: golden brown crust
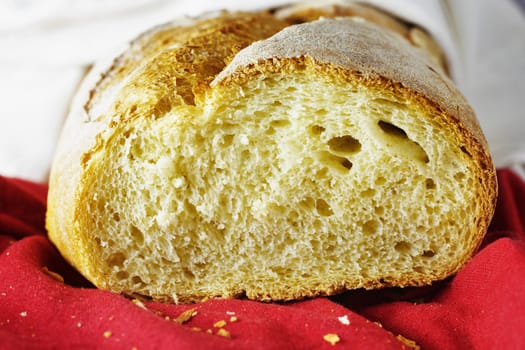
[[181, 58]]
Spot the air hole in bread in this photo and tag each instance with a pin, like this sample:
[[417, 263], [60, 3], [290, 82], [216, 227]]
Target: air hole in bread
[[430, 184], [279, 209], [459, 176], [403, 247], [428, 253], [122, 275], [116, 259], [371, 227], [307, 203], [379, 210], [321, 112], [323, 208], [339, 164], [260, 114], [245, 156], [317, 130], [369, 193], [136, 234], [136, 151], [188, 274], [227, 140], [464, 150], [398, 140], [380, 181], [279, 123], [346, 163], [116, 217], [393, 130], [137, 280], [344, 144]]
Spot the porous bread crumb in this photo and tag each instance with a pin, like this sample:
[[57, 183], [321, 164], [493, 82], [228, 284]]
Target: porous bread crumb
[[219, 324], [331, 338], [186, 316], [224, 333], [107, 334], [344, 320]]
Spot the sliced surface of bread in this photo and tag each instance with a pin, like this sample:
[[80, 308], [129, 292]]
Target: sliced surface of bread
[[245, 155]]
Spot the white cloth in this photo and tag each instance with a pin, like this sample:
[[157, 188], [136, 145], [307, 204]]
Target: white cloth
[[47, 46]]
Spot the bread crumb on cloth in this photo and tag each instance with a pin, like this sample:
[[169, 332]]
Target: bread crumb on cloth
[[223, 333], [186, 316], [219, 324], [408, 342], [53, 275], [344, 320], [331, 338], [139, 303]]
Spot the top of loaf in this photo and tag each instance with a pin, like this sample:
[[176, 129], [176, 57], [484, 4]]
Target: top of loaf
[[361, 48], [173, 64]]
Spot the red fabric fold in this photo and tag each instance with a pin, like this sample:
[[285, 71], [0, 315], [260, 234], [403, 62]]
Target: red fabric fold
[[44, 303]]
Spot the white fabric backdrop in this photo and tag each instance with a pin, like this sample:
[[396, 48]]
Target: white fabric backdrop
[[47, 46]]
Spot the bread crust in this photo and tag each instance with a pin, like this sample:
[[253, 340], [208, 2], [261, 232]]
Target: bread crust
[[342, 49]]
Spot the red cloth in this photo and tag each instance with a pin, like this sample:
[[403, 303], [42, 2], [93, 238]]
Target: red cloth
[[482, 307]]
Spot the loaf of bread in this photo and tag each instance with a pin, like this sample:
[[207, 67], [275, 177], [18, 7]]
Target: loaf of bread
[[271, 155]]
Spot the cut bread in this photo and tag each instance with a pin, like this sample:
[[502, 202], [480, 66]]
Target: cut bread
[[241, 155]]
